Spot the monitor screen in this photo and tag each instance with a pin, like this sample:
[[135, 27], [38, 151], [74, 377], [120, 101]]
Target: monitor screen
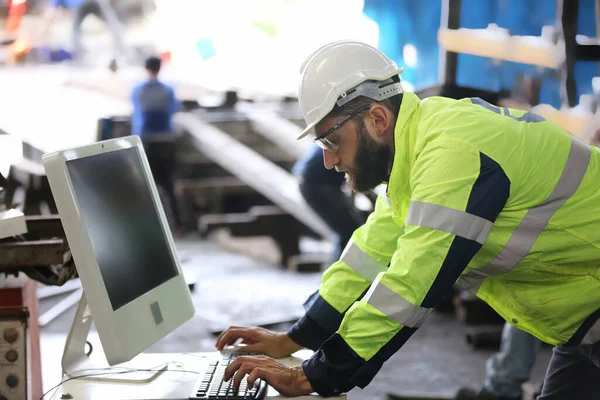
[[117, 209]]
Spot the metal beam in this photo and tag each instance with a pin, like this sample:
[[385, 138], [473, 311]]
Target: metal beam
[[448, 61], [272, 181], [33, 253]]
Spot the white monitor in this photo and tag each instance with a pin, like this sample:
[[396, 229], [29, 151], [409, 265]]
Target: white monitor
[[122, 247]]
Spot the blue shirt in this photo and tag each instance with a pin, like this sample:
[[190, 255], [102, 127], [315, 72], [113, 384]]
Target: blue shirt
[[312, 169], [70, 4], [154, 104]]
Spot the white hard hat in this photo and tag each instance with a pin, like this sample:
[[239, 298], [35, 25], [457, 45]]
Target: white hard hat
[[331, 71]]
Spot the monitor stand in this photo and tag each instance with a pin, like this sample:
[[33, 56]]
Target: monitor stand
[[76, 363]]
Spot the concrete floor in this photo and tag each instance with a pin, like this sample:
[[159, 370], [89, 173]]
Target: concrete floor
[[236, 289]]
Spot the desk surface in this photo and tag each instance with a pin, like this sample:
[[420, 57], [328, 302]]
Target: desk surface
[[175, 383]]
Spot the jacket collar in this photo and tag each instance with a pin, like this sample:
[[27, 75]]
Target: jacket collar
[[404, 143]]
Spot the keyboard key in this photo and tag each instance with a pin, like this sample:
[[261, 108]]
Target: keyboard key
[[212, 386]]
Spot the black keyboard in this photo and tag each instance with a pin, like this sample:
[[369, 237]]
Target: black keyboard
[[211, 385]]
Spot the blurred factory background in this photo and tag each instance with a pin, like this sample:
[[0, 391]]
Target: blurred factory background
[[245, 234]]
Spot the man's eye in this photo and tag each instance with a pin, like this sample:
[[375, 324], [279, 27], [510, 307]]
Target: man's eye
[[335, 138]]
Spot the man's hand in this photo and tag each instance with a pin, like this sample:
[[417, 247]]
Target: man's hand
[[288, 381], [258, 340]]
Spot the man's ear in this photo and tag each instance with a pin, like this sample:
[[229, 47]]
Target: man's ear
[[379, 118]]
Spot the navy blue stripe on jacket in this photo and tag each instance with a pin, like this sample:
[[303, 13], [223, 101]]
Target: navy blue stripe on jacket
[[318, 324]]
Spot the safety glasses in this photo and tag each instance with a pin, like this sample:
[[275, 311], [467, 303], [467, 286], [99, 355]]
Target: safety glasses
[[330, 145]]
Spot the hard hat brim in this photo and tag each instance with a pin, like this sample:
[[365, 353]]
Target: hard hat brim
[[307, 130]]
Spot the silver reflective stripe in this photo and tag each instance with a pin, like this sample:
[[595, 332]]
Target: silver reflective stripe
[[535, 221], [471, 281], [449, 220], [361, 263], [593, 334], [389, 200], [395, 306]]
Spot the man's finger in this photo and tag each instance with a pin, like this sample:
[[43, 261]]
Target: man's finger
[[220, 338], [231, 336], [231, 368], [244, 370], [231, 341], [253, 348], [225, 337], [226, 331], [260, 373], [222, 333]]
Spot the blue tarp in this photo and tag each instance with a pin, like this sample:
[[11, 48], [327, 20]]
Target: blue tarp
[[413, 22]]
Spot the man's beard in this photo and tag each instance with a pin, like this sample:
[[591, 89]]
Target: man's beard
[[371, 162]]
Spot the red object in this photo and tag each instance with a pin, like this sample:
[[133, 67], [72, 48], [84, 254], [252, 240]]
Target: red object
[[26, 296], [15, 14], [165, 56]]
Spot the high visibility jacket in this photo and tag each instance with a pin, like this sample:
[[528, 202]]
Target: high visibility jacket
[[499, 201]]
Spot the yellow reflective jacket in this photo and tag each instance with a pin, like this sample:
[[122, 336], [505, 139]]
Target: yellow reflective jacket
[[499, 201]]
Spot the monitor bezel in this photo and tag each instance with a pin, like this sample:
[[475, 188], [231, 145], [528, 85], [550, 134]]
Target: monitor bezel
[[131, 329]]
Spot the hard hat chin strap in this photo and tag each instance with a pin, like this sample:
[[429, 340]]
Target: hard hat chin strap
[[376, 90]]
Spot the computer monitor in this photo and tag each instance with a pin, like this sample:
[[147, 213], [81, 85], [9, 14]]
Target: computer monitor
[[122, 247]]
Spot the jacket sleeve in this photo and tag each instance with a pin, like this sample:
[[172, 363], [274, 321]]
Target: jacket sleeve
[[368, 253], [457, 193], [175, 104]]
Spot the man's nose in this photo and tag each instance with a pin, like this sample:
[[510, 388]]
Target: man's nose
[[330, 159]]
